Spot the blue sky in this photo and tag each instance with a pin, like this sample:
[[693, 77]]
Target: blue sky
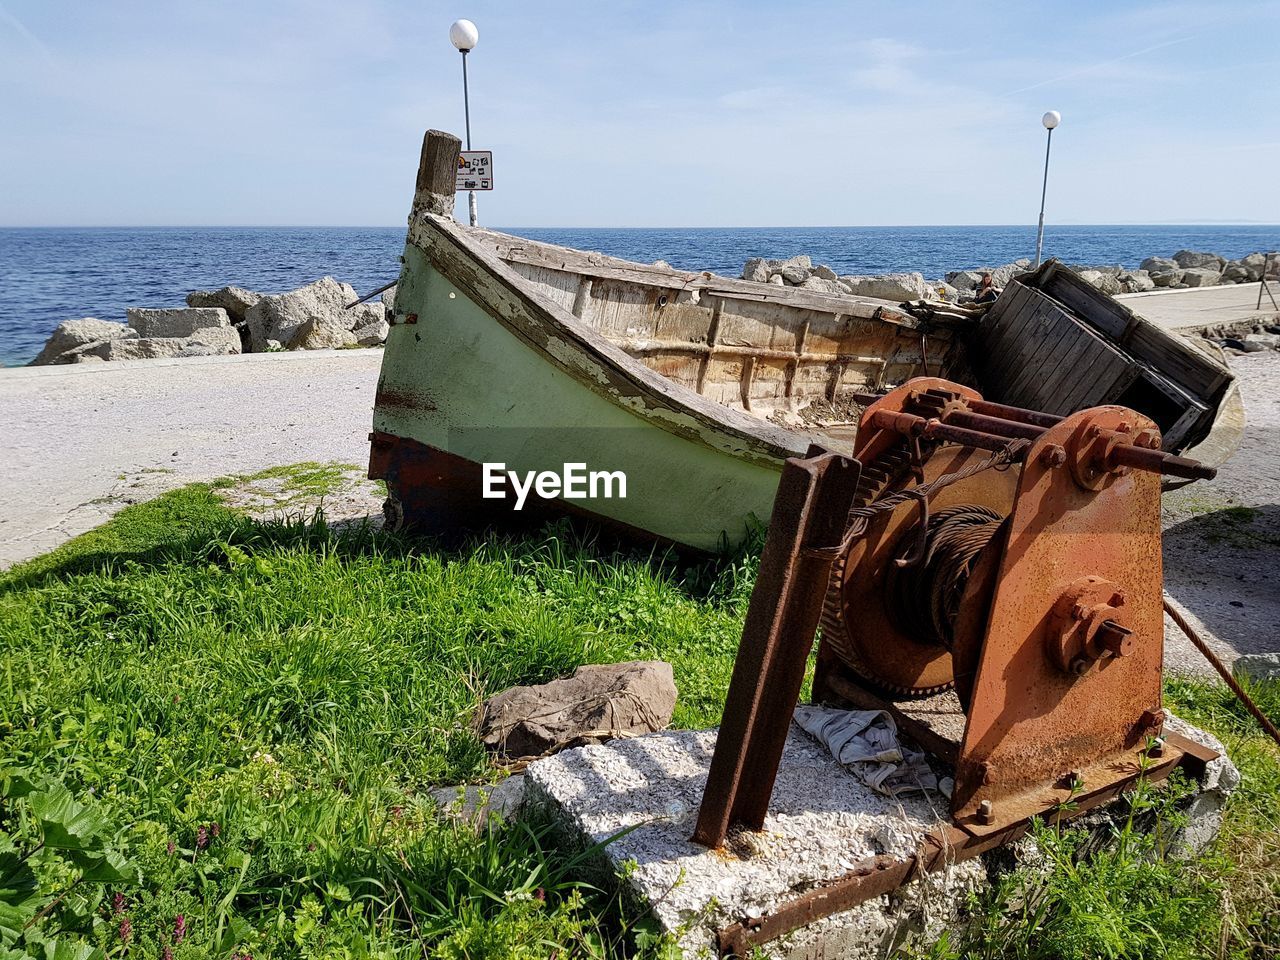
[[142, 112]]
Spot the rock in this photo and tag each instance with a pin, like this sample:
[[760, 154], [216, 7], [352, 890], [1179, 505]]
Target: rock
[[1270, 341], [140, 348], [662, 264], [182, 322], [794, 274], [946, 292], [1235, 273], [1136, 281], [278, 317], [1001, 276], [1166, 278], [215, 341], [365, 315], [235, 300], [1105, 282], [1188, 259], [1160, 265], [71, 334], [821, 285], [320, 333], [477, 804], [389, 302], [372, 334], [801, 261], [756, 269], [777, 280], [599, 702], [1258, 666], [1200, 277], [823, 272], [890, 286], [964, 280]]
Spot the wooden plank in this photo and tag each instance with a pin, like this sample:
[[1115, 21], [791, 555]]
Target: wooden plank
[[1048, 328], [999, 356], [1091, 305], [1100, 366], [1179, 361]]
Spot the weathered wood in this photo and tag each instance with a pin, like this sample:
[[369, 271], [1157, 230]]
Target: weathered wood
[[437, 174]]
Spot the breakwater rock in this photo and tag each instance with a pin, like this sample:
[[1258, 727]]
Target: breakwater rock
[[1186, 268], [228, 321]]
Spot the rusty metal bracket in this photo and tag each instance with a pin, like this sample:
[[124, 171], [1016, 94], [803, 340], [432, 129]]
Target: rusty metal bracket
[[814, 497]]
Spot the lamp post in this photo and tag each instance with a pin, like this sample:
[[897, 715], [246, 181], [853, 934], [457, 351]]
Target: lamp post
[[464, 35], [1050, 120]]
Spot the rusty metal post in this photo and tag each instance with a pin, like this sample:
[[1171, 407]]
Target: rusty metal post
[[810, 511]]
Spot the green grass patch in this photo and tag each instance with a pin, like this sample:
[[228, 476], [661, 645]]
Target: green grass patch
[[250, 714], [257, 709]]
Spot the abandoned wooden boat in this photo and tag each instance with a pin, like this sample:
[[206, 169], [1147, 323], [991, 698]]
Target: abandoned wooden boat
[[516, 365]]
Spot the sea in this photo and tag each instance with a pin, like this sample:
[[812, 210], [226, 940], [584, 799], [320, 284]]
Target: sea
[[52, 274]]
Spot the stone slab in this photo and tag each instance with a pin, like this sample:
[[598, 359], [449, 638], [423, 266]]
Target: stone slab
[[822, 821]]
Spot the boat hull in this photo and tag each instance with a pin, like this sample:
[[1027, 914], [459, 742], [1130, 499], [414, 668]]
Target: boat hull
[[460, 387]]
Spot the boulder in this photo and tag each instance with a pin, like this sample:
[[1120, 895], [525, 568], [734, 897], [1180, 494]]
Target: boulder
[[235, 300], [139, 348], [794, 274], [72, 334], [214, 341], [389, 302], [599, 702], [1166, 278], [365, 315], [1270, 341], [182, 322], [946, 292], [820, 285], [964, 280], [1105, 282], [320, 333], [1200, 277], [777, 280], [823, 272], [1160, 265], [280, 316], [372, 334], [800, 260], [890, 286], [756, 269], [1002, 275], [1188, 259], [1136, 281], [1258, 666]]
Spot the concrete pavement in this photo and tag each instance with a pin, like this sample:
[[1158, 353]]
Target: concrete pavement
[[79, 442], [1203, 306]]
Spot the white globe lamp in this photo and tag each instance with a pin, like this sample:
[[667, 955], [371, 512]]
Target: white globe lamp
[[1050, 119], [464, 35]]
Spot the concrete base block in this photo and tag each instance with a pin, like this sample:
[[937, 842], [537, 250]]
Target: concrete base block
[[822, 821]]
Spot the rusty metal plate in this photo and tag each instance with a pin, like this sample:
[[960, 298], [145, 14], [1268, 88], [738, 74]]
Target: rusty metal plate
[[1030, 722]]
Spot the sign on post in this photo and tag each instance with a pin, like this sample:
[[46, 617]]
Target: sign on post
[[475, 170]]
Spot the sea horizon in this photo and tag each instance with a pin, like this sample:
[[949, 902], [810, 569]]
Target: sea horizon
[[53, 273]]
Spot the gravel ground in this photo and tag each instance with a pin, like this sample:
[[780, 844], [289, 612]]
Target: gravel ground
[[1222, 536], [80, 442]]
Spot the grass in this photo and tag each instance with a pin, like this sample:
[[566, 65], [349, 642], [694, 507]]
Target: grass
[[184, 667], [256, 711]]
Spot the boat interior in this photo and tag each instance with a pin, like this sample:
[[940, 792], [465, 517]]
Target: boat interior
[[800, 358]]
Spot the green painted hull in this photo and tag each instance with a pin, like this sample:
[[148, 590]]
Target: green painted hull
[[467, 378]]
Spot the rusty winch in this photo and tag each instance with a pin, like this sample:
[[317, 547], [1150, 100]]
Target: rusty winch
[[992, 577]]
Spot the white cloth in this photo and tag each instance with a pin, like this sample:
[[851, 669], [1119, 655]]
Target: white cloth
[[865, 742]]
